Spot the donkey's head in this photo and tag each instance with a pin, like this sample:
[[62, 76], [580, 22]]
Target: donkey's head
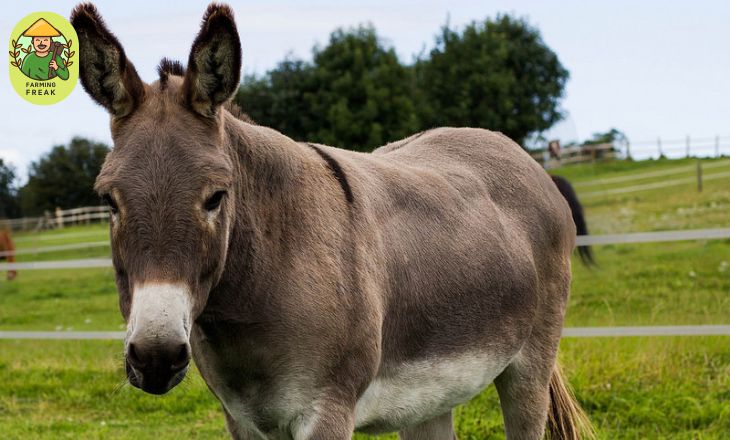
[[169, 185]]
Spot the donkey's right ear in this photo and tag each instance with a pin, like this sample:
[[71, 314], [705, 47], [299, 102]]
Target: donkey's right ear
[[106, 74], [214, 66]]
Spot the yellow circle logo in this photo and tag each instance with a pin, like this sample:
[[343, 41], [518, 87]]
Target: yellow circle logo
[[44, 65]]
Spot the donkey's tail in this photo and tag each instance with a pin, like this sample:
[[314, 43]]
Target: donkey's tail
[[566, 419], [576, 209]]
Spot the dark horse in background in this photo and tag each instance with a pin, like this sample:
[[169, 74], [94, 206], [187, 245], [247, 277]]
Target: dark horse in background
[[576, 209], [7, 252]]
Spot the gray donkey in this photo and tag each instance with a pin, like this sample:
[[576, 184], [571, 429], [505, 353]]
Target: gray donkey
[[323, 291]]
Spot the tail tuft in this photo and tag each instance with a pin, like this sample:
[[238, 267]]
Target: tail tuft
[[566, 419]]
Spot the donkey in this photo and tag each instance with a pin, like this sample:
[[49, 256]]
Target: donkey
[[323, 291]]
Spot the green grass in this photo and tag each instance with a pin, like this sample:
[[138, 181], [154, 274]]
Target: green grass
[[675, 207], [632, 388]]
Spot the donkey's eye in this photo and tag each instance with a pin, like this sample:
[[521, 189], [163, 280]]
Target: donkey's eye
[[110, 203], [214, 201]]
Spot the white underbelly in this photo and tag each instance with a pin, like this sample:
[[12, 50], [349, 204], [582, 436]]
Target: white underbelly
[[418, 391]]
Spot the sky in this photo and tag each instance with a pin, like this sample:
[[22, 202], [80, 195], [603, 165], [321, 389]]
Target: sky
[[651, 68]]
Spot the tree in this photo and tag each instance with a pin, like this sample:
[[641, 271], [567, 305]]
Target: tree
[[362, 92], [496, 74], [277, 99], [9, 206], [355, 94], [64, 177], [611, 136]]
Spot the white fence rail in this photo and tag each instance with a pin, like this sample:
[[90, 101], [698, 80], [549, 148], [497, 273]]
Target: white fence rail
[[582, 240], [60, 247], [575, 154], [657, 185], [86, 263], [689, 146], [568, 332], [652, 174], [58, 219]]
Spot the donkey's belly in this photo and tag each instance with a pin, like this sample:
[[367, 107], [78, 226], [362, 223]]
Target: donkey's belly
[[419, 390]]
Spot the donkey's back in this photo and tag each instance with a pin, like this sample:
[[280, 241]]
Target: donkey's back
[[476, 247]]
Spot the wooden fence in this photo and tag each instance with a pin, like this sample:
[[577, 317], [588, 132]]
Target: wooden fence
[[576, 154], [59, 219]]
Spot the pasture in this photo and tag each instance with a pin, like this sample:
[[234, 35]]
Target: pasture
[[633, 388]]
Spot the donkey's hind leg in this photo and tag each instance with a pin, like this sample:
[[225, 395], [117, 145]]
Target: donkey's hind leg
[[438, 428], [524, 386], [524, 394]]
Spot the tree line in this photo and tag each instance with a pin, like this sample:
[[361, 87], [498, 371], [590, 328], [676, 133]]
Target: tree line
[[356, 93], [64, 178]]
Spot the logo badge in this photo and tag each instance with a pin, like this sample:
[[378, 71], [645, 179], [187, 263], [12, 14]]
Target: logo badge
[[44, 65]]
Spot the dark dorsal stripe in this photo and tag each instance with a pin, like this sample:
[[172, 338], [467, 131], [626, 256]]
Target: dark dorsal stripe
[[336, 171]]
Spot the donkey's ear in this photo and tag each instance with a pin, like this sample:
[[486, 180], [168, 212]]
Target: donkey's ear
[[214, 66], [106, 74]]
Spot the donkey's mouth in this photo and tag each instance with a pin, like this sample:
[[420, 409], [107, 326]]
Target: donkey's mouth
[[154, 383]]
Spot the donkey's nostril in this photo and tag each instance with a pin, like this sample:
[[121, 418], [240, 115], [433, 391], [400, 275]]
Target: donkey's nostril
[[133, 357], [182, 358]]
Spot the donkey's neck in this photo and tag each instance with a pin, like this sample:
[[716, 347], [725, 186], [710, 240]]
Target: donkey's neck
[[275, 178], [266, 158]]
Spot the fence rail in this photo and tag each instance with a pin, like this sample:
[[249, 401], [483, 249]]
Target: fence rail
[[58, 219], [651, 174], [575, 154], [582, 240], [689, 146], [568, 332], [60, 247], [657, 185], [653, 237]]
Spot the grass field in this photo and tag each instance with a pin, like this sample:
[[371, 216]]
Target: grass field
[[633, 388]]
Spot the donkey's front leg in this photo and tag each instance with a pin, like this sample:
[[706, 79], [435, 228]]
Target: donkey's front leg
[[328, 420]]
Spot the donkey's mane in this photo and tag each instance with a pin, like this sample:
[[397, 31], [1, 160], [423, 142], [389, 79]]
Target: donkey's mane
[[169, 67]]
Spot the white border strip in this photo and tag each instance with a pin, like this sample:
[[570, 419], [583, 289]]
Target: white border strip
[[651, 237], [569, 332]]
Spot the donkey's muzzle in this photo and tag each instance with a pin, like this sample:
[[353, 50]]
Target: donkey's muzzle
[[157, 369]]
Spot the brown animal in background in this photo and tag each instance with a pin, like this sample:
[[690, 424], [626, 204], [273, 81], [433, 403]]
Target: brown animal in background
[[7, 252], [322, 291]]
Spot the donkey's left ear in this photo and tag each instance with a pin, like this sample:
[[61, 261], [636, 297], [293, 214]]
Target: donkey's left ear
[[214, 66], [106, 73]]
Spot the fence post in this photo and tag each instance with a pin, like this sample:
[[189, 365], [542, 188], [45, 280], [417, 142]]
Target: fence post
[[659, 144], [687, 145], [59, 217], [717, 146], [628, 150], [699, 176]]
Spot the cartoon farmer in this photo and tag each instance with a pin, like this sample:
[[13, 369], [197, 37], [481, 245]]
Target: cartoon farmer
[[46, 61]]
